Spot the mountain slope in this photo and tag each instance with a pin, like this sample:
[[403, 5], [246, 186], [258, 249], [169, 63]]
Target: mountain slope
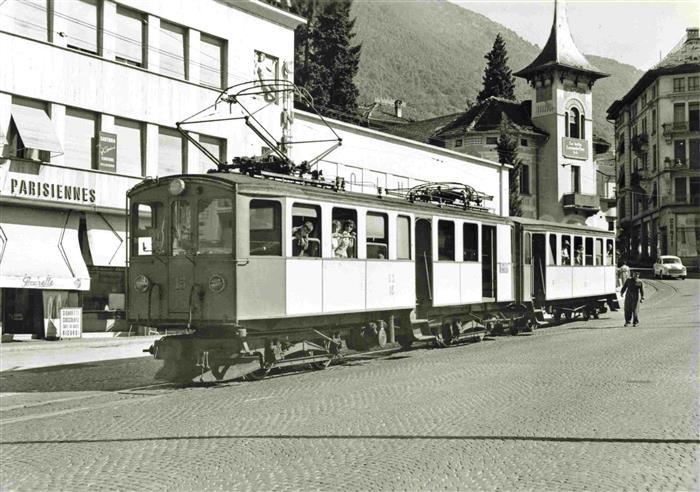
[[430, 54]]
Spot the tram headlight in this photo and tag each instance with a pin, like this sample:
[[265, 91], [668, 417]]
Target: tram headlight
[[142, 283], [176, 187], [217, 283]]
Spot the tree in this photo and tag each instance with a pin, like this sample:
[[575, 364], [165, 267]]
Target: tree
[[325, 62], [498, 78], [507, 148]]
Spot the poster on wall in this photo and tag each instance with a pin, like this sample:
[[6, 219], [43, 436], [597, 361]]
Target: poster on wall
[[71, 324], [107, 150]]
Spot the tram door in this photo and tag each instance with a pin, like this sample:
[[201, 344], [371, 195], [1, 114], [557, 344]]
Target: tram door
[[424, 261], [488, 261], [539, 266], [182, 262]]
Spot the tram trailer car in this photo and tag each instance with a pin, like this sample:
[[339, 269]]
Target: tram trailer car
[[247, 268]]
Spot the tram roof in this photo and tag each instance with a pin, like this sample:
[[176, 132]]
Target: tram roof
[[549, 226]]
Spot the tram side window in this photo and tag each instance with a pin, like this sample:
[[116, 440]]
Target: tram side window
[[578, 250], [446, 240], [598, 251], [589, 251], [344, 234], [215, 227], [553, 260], [527, 248], [403, 237], [148, 229], [265, 219], [377, 236], [610, 251], [565, 250], [470, 245], [306, 230], [181, 227]]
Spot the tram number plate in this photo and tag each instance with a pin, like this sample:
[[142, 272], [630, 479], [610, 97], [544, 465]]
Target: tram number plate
[[392, 284]]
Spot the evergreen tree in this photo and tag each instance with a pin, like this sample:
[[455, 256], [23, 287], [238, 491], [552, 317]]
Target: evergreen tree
[[507, 148], [498, 78], [325, 61]]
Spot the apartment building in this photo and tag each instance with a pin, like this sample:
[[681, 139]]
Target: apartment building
[[657, 134]]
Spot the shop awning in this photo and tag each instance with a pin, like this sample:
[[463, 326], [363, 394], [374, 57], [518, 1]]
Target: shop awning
[[107, 238], [35, 129], [39, 249]]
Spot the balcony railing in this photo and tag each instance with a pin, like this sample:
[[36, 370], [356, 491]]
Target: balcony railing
[[679, 163], [640, 143], [581, 202], [692, 199]]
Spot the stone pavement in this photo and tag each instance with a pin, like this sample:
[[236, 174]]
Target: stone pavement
[[582, 406]]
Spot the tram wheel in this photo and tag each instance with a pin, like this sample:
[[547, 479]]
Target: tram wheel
[[447, 336], [529, 326], [569, 315]]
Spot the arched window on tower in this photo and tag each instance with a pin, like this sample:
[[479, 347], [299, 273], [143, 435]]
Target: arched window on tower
[[574, 123]]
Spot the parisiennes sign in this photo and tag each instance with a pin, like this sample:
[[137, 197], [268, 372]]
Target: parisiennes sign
[[54, 191]]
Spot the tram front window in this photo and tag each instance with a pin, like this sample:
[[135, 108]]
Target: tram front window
[[148, 229], [181, 228], [215, 227]]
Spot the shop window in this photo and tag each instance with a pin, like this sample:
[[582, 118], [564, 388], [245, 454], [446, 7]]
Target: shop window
[[181, 228], [552, 249], [215, 226], [216, 147], [211, 62], [129, 42], [306, 230], [173, 50], [598, 252], [377, 236], [265, 228], [403, 237], [565, 257], [470, 243], [80, 20], [589, 251], [527, 248], [129, 147], [344, 233], [79, 148], [148, 229], [170, 152], [107, 287], [446, 240], [30, 18], [578, 250]]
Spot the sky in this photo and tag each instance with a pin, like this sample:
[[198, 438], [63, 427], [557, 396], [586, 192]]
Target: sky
[[632, 31]]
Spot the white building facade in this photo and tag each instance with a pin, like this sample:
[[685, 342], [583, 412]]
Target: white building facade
[[90, 94]]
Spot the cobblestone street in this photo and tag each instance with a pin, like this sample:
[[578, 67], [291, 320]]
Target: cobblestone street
[[580, 406]]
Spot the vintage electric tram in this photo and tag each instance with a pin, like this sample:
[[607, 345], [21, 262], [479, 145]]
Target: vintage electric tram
[[262, 261], [221, 256]]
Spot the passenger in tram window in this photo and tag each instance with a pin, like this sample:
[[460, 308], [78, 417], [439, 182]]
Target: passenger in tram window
[[610, 254], [565, 255], [336, 237], [346, 247], [578, 255], [301, 239]]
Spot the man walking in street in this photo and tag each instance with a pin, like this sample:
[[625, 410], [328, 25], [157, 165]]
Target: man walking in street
[[633, 291]]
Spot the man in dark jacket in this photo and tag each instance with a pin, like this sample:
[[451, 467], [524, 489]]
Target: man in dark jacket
[[634, 289]]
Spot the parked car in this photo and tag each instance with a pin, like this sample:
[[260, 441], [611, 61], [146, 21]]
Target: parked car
[[669, 266]]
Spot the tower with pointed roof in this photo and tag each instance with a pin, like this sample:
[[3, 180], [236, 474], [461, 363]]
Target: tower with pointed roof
[[562, 80]]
